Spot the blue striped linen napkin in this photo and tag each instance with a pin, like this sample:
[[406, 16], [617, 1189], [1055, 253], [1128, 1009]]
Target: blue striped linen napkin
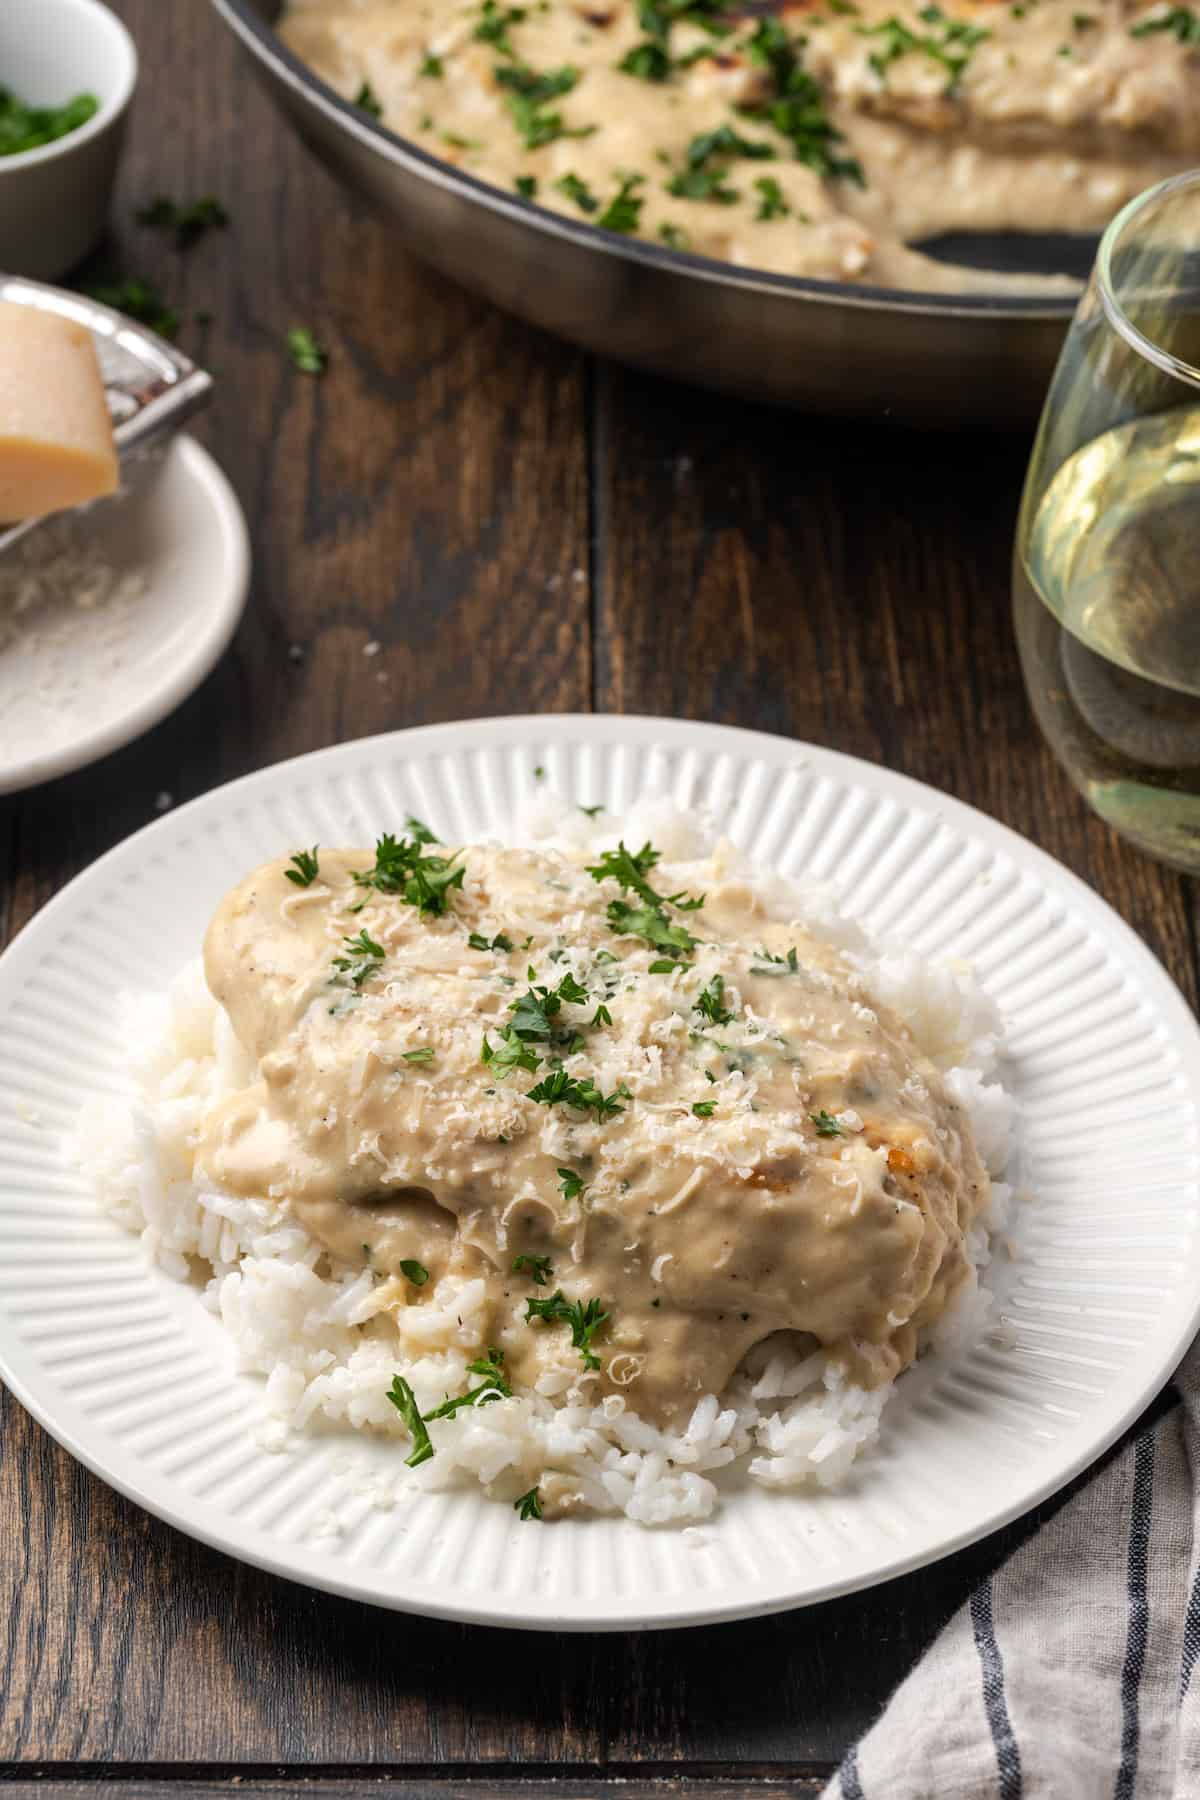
[[1068, 1673]]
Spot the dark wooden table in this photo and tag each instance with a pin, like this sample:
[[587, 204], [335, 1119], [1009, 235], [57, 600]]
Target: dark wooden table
[[522, 529]]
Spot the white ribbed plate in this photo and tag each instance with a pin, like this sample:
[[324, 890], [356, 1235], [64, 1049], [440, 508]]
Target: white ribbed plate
[[131, 1374]]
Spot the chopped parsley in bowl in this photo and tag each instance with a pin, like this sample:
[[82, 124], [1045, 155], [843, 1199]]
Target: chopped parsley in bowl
[[24, 127]]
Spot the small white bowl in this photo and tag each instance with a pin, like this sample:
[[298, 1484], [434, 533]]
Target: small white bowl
[[54, 201]]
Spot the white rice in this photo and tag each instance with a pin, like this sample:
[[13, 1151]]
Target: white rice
[[327, 1355]]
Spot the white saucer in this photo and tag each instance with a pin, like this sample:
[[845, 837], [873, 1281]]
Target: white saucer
[[162, 576]]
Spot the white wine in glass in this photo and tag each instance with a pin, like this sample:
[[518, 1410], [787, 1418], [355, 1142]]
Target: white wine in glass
[[1106, 570]]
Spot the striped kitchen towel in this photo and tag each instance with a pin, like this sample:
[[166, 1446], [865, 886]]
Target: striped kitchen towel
[[1068, 1675]]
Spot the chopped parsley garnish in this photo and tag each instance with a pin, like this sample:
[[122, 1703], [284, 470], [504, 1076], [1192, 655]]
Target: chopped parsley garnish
[[1180, 21], [629, 870], [584, 1321], [772, 204], [528, 1506], [494, 25], [767, 964], [423, 1055], [137, 299], [1082, 21], [305, 868], [704, 1109], [30, 127], [367, 101], [401, 867], [725, 141], [187, 224], [673, 236], [828, 1126], [414, 1271], [405, 1403], [536, 1267], [493, 1386], [533, 1014], [365, 960], [625, 208], [591, 811], [950, 42], [572, 1186], [527, 94], [526, 186], [418, 831], [579, 192], [431, 66], [704, 184], [711, 1003], [500, 942], [601, 1016], [560, 1089], [651, 923], [648, 61], [305, 351], [510, 1053], [798, 108]]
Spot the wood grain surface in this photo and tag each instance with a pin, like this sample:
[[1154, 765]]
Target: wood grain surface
[[518, 529]]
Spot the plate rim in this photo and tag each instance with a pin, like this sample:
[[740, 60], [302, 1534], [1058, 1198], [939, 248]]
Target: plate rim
[[214, 630], [251, 1545]]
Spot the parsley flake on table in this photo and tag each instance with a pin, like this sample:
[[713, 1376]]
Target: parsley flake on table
[[528, 1506], [305, 867], [405, 1402], [584, 1321], [187, 224], [137, 299], [305, 351], [538, 1268]]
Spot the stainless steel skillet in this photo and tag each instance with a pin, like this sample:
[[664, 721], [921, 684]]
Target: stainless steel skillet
[[825, 346]]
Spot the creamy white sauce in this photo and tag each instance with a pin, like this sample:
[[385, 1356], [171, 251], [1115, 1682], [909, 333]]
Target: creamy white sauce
[[1034, 116], [767, 1149]]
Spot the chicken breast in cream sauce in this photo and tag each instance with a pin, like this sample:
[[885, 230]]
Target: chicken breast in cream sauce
[[817, 138], [678, 1128]]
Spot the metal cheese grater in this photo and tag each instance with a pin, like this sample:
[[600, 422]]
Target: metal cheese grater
[[151, 387]]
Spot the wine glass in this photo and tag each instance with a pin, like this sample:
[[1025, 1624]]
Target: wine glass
[[1106, 568]]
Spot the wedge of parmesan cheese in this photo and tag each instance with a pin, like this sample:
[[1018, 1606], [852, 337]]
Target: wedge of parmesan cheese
[[56, 438]]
